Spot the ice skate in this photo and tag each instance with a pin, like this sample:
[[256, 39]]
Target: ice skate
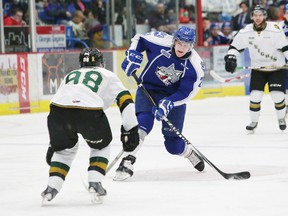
[[196, 161], [48, 194], [97, 192], [282, 124], [251, 127], [125, 169]]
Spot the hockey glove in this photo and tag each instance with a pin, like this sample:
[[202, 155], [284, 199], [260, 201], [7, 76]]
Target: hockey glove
[[230, 63], [49, 155], [132, 62], [164, 107], [129, 139]]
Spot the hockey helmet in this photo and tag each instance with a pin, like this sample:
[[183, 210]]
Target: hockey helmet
[[185, 34], [91, 57], [214, 26], [258, 8], [226, 25]]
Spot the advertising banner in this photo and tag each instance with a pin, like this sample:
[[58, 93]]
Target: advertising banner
[[16, 39], [23, 83], [56, 65], [50, 38], [8, 75]]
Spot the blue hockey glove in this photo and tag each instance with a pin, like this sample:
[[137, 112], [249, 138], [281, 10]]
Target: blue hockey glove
[[230, 63], [164, 107], [132, 62]]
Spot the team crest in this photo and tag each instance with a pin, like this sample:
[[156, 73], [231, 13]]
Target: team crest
[[276, 26], [168, 75]]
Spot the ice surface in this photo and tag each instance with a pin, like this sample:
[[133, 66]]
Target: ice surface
[[163, 184]]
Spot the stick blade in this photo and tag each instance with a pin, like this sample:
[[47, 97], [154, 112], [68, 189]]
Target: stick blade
[[217, 77], [237, 176]]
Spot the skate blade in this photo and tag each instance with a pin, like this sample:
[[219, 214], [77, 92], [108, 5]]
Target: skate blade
[[45, 200], [250, 132], [121, 176], [95, 197]]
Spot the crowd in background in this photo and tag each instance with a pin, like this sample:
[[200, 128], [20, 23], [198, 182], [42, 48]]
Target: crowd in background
[[88, 17]]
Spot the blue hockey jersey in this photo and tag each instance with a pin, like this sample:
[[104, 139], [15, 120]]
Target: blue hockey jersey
[[179, 78]]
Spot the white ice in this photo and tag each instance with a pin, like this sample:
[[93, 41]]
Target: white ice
[[163, 184]]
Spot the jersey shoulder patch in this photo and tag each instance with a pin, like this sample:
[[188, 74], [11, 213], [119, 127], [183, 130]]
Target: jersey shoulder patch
[[273, 26], [276, 26]]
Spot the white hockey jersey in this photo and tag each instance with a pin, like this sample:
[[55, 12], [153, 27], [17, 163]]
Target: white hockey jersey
[[95, 88], [266, 48]]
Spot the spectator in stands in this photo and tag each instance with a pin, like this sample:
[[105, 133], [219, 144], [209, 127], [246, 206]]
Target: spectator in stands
[[215, 38], [94, 29], [54, 12], [79, 29], [158, 20], [121, 19], [184, 14], [79, 5], [16, 19], [141, 12], [100, 11], [226, 30], [242, 19], [206, 28], [8, 6], [273, 11], [171, 16]]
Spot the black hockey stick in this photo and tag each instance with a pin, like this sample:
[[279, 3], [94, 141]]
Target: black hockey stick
[[229, 176]]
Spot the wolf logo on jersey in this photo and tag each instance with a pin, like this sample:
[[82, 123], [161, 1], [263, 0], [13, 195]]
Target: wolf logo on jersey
[[168, 75]]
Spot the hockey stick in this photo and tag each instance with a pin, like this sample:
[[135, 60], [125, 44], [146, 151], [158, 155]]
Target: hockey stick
[[229, 176], [217, 77], [114, 161], [263, 67]]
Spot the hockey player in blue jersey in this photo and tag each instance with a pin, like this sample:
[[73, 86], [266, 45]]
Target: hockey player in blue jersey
[[172, 75]]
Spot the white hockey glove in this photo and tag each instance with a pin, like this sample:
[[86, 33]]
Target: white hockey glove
[[163, 109], [132, 62]]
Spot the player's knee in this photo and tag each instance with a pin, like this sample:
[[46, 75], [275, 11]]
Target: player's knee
[[256, 96], [146, 121], [174, 145], [278, 98]]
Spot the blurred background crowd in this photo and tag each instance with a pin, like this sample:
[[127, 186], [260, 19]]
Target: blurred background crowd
[[89, 18]]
